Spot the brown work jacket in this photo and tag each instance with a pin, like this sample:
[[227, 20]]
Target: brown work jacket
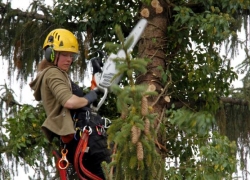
[[52, 86]]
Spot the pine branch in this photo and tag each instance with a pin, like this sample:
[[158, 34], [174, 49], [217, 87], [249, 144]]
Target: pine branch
[[224, 100], [234, 101], [17, 12]]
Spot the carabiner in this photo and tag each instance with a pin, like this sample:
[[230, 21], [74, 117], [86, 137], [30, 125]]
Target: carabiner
[[80, 132], [99, 130], [88, 128], [107, 122], [63, 163]]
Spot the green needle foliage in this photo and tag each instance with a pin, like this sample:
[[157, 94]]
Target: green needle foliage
[[201, 152], [135, 155]]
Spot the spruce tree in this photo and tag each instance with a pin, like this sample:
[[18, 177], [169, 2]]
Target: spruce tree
[[132, 133]]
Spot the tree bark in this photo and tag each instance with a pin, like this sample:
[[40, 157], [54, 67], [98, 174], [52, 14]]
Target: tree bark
[[152, 46]]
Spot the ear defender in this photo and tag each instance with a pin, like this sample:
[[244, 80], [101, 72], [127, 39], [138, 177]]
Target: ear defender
[[50, 54], [49, 51]]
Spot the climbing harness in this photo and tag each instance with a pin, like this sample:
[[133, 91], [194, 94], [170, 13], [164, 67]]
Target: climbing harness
[[82, 134], [81, 148]]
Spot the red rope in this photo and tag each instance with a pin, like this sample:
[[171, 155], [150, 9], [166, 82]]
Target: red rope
[[81, 147], [88, 173], [78, 151], [62, 172]]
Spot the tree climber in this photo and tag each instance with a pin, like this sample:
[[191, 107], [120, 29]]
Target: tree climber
[[68, 109]]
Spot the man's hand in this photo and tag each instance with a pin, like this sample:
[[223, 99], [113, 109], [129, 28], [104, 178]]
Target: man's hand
[[91, 96]]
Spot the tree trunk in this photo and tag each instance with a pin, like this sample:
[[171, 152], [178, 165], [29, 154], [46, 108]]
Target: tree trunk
[[152, 46]]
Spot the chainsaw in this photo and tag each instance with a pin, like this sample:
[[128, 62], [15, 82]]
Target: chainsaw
[[103, 73]]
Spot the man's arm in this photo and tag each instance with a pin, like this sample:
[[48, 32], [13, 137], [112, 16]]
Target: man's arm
[[76, 102]]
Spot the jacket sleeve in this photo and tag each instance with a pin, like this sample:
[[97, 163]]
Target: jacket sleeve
[[59, 84]]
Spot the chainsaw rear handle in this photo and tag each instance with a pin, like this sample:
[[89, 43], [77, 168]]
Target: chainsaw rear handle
[[102, 100], [96, 64]]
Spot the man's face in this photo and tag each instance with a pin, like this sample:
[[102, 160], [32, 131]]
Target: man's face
[[65, 60]]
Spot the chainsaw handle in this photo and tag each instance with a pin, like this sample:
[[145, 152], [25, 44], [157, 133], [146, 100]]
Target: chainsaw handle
[[96, 64], [105, 93]]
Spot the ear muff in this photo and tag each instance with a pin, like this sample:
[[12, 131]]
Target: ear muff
[[50, 54]]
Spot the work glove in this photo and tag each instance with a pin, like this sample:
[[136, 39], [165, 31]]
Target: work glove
[[91, 97]]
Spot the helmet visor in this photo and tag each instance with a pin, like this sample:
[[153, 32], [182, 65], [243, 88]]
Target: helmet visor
[[75, 56]]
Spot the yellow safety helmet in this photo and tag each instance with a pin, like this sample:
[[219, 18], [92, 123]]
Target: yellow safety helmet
[[60, 40]]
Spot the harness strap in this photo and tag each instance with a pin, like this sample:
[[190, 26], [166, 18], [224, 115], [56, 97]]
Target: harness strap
[[81, 147], [62, 172]]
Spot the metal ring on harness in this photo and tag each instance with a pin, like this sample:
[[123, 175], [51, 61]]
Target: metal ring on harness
[[63, 162], [88, 128]]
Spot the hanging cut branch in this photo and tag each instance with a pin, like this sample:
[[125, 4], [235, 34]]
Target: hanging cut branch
[[17, 12]]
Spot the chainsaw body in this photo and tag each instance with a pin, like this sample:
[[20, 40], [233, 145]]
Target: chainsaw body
[[103, 79]]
